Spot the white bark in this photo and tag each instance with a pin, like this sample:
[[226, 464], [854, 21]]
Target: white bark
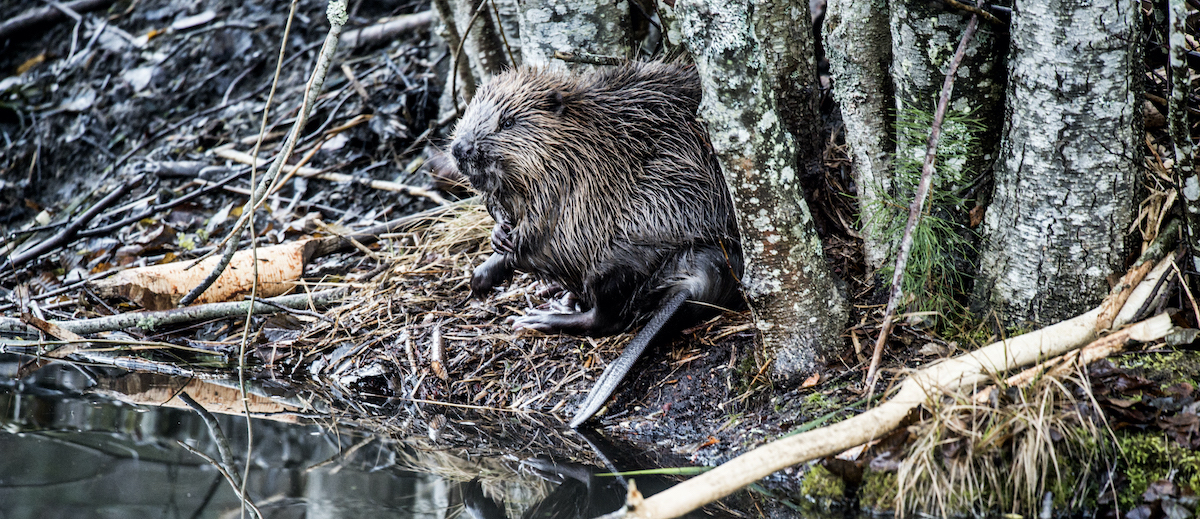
[[858, 45], [1069, 156], [482, 40], [741, 50], [591, 26], [924, 38], [1185, 163]]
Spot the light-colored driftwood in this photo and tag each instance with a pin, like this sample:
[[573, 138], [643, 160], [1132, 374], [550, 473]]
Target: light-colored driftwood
[[972, 369]]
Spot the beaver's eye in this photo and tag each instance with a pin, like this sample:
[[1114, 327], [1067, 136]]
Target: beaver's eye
[[507, 124]]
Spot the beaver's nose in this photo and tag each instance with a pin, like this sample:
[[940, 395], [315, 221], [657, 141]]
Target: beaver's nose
[[462, 150]]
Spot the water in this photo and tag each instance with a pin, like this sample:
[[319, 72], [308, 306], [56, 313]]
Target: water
[[67, 452]]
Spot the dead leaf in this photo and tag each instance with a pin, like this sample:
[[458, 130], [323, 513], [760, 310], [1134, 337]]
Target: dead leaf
[[811, 381]]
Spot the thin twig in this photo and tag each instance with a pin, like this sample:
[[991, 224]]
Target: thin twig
[[228, 477], [312, 90], [218, 435], [458, 55], [500, 26], [66, 235], [988, 17], [155, 320], [914, 210], [452, 38]]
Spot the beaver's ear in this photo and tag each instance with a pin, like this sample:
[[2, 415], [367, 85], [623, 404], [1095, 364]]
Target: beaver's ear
[[555, 102]]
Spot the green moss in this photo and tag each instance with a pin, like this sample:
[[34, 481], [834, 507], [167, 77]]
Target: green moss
[[822, 485], [1165, 368], [816, 400], [1149, 457], [878, 491]]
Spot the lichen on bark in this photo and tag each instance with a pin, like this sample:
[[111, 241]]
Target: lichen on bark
[[798, 310], [1064, 196]]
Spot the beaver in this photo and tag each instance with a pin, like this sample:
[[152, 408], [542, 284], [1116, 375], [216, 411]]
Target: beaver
[[603, 184]]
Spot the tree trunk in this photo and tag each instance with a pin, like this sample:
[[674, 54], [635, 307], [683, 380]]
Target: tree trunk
[[858, 45], [483, 42], [924, 39], [589, 26], [1064, 194], [744, 53]]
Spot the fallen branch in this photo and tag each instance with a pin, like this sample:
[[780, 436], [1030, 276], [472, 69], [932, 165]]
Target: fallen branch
[[966, 370], [156, 320], [307, 172], [67, 234], [388, 29], [46, 15]]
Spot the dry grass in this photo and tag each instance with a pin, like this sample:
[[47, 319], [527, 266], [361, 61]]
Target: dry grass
[[1004, 456], [409, 353]]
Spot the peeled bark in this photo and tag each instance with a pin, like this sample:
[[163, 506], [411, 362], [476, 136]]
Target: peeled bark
[[1064, 196], [588, 26], [858, 45], [743, 52]]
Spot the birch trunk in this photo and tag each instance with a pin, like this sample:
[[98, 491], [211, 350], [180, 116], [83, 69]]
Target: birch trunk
[[858, 45], [1064, 196], [747, 52], [573, 26]]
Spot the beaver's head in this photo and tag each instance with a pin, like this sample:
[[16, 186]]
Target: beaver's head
[[511, 129]]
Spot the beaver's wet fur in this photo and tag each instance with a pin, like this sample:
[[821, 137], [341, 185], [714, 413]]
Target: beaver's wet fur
[[606, 185]]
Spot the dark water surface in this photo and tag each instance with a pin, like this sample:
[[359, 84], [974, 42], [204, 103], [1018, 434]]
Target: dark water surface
[[66, 454]]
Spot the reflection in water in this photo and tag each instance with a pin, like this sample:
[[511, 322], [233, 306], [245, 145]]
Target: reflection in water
[[67, 452], [579, 494], [72, 455]]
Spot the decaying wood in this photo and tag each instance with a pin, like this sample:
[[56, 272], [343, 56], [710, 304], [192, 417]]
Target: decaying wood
[[966, 370], [279, 269], [337, 19], [159, 287]]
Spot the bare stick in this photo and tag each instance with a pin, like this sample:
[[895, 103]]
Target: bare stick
[[218, 435], [914, 210], [45, 15], [229, 477], [308, 172], [388, 29], [446, 12], [336, 20], [963, 371], [458, 58], [155, 320]]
